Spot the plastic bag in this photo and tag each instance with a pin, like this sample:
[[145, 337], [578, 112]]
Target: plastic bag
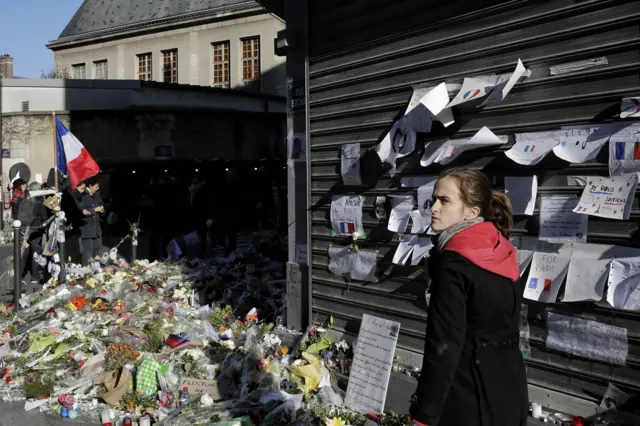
[[327, 396], [284, 413]]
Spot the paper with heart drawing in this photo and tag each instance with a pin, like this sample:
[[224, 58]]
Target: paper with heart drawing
[[608, 197], [582, 143]]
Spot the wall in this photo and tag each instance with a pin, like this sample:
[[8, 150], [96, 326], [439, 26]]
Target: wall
[[6, 66], [195, 53]]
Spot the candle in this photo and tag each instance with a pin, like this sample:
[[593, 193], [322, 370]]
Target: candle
[[144, 421]]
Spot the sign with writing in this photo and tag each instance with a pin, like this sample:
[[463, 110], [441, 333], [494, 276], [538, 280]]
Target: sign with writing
[[558, 222], [372, 362], [608, 197], [548, 269], [199, 387], [295, 98], [294, 295], [346, 214]]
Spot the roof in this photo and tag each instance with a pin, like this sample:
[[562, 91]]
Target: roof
[[98, 17]]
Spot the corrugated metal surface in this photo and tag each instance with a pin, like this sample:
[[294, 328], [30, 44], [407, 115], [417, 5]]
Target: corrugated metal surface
[[365, 55]]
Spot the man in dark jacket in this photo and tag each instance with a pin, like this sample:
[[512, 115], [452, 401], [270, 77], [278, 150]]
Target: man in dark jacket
[[91, 207], [34, 232], [18, 196]]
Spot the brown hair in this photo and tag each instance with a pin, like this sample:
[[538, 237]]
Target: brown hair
[[475, 191]]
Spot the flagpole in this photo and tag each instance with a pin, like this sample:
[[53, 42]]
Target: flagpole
[[55, 151]]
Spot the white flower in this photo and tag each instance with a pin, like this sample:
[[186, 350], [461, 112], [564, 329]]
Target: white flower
[[342, 345], [271, 340], [206, 400], [228, 344]]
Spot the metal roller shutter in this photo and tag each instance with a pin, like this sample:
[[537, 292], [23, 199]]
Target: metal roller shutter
[[364, 57]]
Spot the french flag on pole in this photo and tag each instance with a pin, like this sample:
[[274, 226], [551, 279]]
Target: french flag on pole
[[73, 158]]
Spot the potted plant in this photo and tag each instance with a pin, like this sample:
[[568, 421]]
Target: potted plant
[[37, 386]]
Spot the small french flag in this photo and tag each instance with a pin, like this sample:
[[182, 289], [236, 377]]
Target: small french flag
[[174, 340], [347, 228], [73, 159], [529, 148]]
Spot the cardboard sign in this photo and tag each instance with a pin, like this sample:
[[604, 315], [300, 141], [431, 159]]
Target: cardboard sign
[[216, 389]]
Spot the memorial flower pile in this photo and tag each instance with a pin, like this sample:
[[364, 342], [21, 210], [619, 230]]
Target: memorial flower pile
[[124, 339]]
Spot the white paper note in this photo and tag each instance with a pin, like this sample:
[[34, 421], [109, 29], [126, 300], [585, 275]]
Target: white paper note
[[436, 99], [371, 366], [624, 284], [363, 265], [558, 222], [624, 150], [445, 117], [482, 139], [405, 247], [350, 164], [522, 192], [503, 88], [531, 148], [577, 66], [588, 272], [548, 269], [432, 150], [346, 214], [473, 88], [425, 199], [398, 143], [613, 398], [525, 247], [417, 116], [419, 222], [421, 249], [339, 260], [608, 197], [588, 339], [401, 206], [630, 108], [581, 144]]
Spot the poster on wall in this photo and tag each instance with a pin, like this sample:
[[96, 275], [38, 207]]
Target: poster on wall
[[558, 222], [608, 197], [350, 164], [346, 214], [548, 269], [624, 150]]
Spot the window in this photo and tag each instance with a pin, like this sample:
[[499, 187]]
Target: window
[[144, 67], [79, 71], [251, 60], [170, 66], [100, 69], [221, 64]]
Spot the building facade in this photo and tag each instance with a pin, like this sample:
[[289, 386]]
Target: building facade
[[6, 66], [218, 43]]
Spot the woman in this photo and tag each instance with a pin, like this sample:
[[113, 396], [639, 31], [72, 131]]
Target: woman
[[473, 372]]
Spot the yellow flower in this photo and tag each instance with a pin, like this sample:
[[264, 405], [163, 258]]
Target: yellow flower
[[336, 421]]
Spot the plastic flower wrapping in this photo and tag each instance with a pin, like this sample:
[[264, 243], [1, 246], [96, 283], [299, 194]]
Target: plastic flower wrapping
[[182, 343]]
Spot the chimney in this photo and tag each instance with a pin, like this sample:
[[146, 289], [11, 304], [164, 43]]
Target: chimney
[[6, 66]]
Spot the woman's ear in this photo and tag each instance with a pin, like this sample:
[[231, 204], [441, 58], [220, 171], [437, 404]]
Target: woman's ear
[[471, 213]]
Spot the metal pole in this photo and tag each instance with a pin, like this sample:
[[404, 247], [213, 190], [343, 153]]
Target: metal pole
[[17, 263], [135, 229]]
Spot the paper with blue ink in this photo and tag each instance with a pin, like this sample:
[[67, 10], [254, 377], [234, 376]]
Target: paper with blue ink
[[608, 197], [531, 148], [580, 144], [346, 214]]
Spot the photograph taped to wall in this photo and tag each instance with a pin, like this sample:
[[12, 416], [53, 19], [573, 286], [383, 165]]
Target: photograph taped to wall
[[549, 267], [588, 272], [346, 214], [611, 197], [558, 221], [624, 150], [587, 338], [582, 143], [350, 164]]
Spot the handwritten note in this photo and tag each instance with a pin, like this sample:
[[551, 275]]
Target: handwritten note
[[401, 206], [581, 144], [199, 387], [340, 260], [586, 338], [558, 222], [405, 247], [548, 269], [372, 362], [608, 197], [353, 264], [350, 164], [346, 214], [531, 148]]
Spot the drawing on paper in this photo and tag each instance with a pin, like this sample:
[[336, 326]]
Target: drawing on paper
[[346, 214], [608, 197]]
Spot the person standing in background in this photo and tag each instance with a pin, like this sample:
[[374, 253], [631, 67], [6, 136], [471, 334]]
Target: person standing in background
[[18, 196], [91, 207]]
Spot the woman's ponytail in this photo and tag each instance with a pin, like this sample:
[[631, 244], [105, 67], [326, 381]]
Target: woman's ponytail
[[501, 213]]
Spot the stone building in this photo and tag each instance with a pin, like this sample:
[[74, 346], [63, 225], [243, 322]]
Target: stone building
[[219, 43], [6, 66]]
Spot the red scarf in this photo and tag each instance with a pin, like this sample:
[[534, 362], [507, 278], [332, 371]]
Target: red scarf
[[17, 196]]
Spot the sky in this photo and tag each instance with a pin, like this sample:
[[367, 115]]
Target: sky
[[27, 26]]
